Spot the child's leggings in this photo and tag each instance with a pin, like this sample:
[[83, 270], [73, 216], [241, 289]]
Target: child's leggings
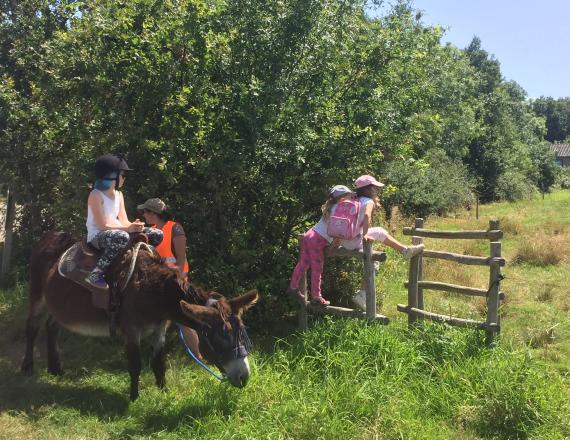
[[378, 233], [112, 241], [312, 255]]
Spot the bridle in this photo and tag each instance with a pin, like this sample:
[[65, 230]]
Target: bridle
[[240, 350]]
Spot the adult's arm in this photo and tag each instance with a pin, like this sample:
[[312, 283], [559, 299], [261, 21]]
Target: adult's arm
[[367, 221], [179, 248]]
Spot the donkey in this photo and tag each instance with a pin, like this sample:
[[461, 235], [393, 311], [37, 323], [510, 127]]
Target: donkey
[[152, 298]]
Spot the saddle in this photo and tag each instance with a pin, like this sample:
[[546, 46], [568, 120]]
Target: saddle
[[76, 263], [81, 258]]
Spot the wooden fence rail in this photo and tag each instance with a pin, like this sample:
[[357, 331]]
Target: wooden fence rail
[[416, 285]]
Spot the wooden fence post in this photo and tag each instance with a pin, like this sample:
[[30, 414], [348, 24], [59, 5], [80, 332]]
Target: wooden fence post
[[493, 299], [413, 287], [369, 283], [8, 233], [477, 206], [303, 314], [419, 223]]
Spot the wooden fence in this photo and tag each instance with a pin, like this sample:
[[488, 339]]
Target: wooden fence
[[368, 257], [416, 284], [7, 226]]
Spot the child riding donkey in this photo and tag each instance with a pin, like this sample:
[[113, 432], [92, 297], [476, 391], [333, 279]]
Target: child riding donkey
[[108, 226]]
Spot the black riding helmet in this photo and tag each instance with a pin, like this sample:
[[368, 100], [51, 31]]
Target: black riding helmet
[[109, 163]]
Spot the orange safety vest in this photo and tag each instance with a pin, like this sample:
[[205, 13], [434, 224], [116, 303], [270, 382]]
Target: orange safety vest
[[164, 249]]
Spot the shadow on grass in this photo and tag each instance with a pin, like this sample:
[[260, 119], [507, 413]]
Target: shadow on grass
[[24, 394]]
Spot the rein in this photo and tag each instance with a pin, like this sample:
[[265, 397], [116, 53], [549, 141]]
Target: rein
[[134, 256], [198, 361]]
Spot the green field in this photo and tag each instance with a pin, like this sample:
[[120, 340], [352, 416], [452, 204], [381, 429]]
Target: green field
[[342, 379]]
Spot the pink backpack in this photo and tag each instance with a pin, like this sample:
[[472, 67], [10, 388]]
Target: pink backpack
[[344, 222]]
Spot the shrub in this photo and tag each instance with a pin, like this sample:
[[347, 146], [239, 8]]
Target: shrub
[[512, 185], [434, 186]]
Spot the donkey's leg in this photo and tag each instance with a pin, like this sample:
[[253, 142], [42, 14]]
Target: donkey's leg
[[133, 351], [157, 362], [54, 364], [32, 328]]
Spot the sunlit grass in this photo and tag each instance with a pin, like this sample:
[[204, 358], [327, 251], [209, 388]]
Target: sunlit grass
[[342, 379]]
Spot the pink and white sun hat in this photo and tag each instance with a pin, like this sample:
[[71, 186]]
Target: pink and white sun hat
[[366, 180]]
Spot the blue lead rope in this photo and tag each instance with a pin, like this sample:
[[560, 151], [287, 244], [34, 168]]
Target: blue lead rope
[[193, 356]]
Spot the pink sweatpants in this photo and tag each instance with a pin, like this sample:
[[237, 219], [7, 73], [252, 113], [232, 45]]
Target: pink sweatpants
[[312, 255]]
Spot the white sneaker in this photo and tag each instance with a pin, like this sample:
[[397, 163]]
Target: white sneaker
[[376, 266], [412, 251], [359, 300]]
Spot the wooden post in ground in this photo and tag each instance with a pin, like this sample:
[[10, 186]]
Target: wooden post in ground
[[303, 315], [419, 223], [8, 233], [493, 298], [477, 206], [413, 287], [369, 283]]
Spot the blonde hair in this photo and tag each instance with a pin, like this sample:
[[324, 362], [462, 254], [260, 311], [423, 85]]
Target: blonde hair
[[331, 200]]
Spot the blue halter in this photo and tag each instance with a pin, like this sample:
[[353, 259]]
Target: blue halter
[[198, 361]]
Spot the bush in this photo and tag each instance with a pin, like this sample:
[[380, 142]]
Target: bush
[[512, 185], [434, 186], [564, 178]]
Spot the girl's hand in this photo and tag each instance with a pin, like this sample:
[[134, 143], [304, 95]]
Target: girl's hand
[[136, 226], [335, 243], [368, 238]]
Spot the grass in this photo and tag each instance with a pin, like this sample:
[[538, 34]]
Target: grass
[[342, 379]]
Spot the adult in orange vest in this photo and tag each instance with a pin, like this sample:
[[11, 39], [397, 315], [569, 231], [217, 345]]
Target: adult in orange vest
[[173, 250], [173, 246]]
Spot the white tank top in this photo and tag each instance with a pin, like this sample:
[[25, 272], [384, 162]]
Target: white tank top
[[111, 209]]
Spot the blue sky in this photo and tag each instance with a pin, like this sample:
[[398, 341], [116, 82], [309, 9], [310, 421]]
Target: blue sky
[[531, 39]]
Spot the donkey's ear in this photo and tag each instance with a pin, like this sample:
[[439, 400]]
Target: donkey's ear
[[243, 302], [200, 314]]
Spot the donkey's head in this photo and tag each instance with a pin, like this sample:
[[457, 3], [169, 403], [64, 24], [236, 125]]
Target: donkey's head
[[223, 339]]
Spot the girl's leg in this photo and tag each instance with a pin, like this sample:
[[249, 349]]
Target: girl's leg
[[111, 242], [302, 265], [381, 235], [154, 235], [317, 254]]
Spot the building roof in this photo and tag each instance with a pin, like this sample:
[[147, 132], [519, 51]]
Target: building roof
[[561, 150]]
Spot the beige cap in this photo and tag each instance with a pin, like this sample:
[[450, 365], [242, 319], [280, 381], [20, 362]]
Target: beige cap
[[154, 205]]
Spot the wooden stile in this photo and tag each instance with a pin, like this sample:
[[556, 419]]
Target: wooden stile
[[415, 285], [368, 257]]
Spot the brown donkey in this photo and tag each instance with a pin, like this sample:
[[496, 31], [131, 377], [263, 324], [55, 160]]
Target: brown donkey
[[152, 298]]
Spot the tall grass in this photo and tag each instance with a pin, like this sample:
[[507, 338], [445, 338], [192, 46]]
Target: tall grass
[[342, 379]]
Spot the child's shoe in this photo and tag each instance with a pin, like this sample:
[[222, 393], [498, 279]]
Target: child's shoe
[[359, 300], [296, 293], [96, 279], [320, 301], [412, 251]]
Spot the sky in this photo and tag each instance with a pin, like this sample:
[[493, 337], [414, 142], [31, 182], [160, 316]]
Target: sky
[[530, 38]]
